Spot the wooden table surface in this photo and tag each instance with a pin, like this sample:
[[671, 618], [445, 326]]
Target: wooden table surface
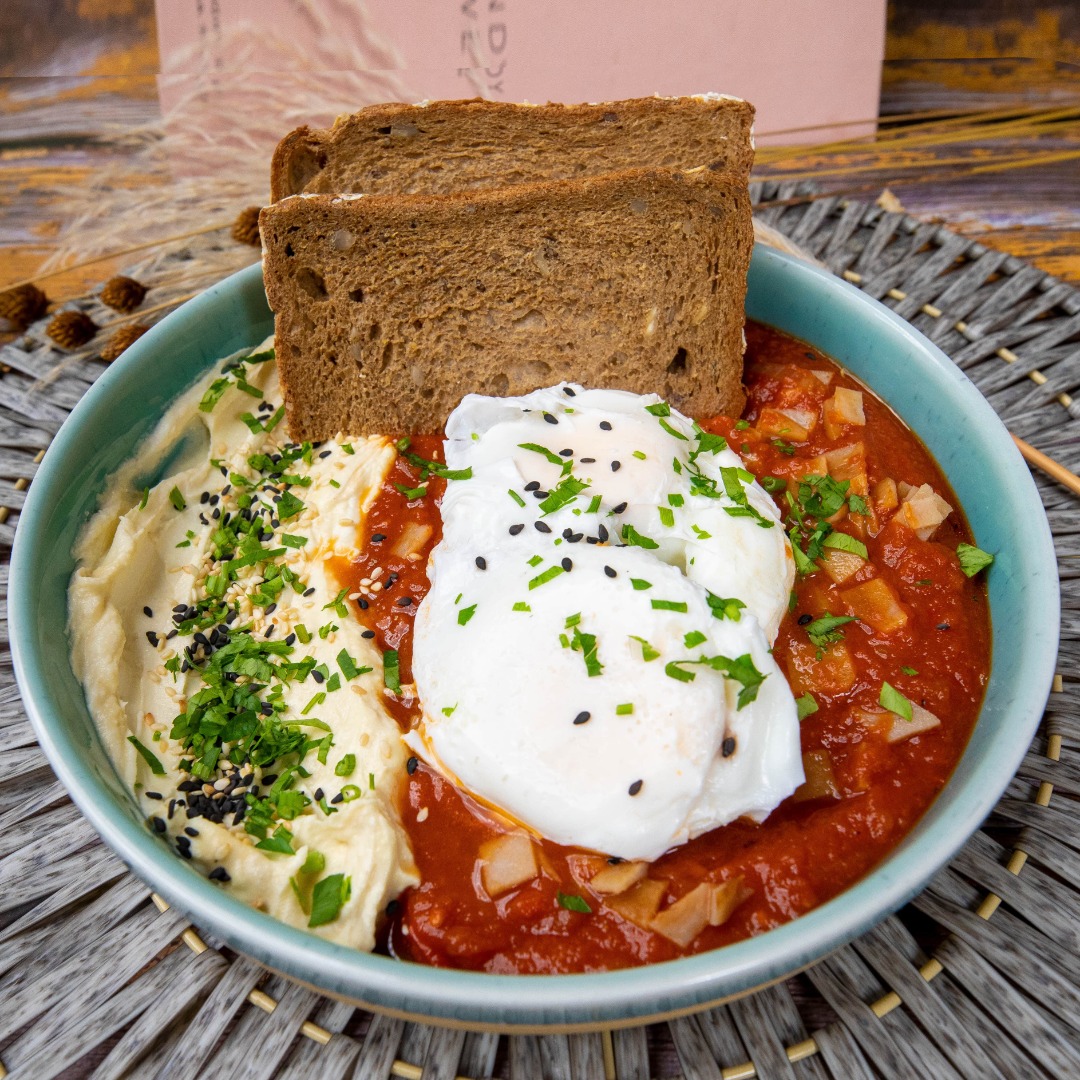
[[71, 70]]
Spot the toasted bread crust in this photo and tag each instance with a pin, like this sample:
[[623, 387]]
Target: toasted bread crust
[[388, 309], [448, 146]]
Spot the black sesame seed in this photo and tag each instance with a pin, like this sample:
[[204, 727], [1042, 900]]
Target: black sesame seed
[[635, 787], [154, 795], [269, 780], [591, 540], [368, 634], [204, 498], [214, 500], [727, 747], [605, 425], [337, 798], [158, 824], [190, 831], [804, 619], [219, 873], [270, 630], [567, 565], [481, 562], [614, 860], [550, 419], [308, 592], [180, 609], [533, 485], [391, 578], [318, 676], [616, 466], [582, 718], [152, 637], [515, 529], [266, 708], [575, 538], [148, 612], [568, 392], [603, 534], [363, 604], [405, 601], [378, 538], [566, 453], [541, 494], [542, 526], [319, 794], [216, 515], [618, 509], [943, 626], [325, 454], [609, 571], [171, 634], [225, 490], [586, 460], [410, 765], [291, 639]]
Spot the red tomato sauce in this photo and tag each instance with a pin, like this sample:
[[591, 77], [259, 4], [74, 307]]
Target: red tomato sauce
[[923, 628]]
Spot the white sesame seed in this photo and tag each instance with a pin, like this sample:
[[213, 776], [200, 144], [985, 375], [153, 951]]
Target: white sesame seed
[[422, 815]]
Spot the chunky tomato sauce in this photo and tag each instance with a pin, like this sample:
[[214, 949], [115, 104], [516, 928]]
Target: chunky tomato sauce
[[923, 627]]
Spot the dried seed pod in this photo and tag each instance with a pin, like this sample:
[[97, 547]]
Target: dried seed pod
[[245, 229], [123, 293], [70, 329], [121, 339], [22, 305]]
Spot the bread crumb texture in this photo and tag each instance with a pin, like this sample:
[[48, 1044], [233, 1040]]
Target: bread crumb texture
[[389, 309]]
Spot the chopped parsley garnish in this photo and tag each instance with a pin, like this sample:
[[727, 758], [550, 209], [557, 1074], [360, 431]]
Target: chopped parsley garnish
[[412, 493], [635, 539], [564, 492], [742, 425], [857, 505], [784, 447], [520, 605], [639, 454], [806, 706], [673, 432], [890, 698], [733, 480], [290, 541], [725, 607], [694, 637], [573, 902], [148, 756], [338, 605], [594, 505], [280, 843], [908, 670], [841, 541], [647, 651], [536, 560], [701, 534], [973, 559], [661, 408], [177, 499], [826, 631], [465, 614], [667, 516], [145, 496], [668, 605], [586, 645], [349, 667], [640, 584], [565, 464], [391, 672], [675, 500], [346, 766], [772, 484], [542, 579], [431, 468], [741, 669], [625, 709], [288, 506], [328, 897], [515, 496]]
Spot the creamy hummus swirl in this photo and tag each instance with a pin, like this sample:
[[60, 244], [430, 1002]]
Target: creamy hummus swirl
[[273, 624]]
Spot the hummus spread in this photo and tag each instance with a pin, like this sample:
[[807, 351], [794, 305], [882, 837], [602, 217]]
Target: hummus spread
[[232, 686]]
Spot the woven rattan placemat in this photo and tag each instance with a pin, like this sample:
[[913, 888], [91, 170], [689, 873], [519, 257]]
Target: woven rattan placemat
[[979, 976]]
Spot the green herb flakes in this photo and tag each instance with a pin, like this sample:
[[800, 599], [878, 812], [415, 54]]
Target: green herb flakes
[[346, 766], [973, 559], [573, 902], [391, 672], [148, 756], [177, 499], [890, 698], [806, 706], [327, 899]]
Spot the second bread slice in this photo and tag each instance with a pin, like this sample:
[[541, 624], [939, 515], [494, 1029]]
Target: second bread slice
[[389, 309]]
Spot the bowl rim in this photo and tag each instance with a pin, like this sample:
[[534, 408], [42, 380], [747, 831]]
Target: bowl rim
[[505, 1002]]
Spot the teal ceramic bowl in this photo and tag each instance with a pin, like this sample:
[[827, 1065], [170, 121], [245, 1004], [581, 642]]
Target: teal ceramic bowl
[[917, 380]]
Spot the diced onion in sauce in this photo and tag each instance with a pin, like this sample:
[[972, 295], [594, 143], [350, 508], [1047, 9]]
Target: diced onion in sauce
[[846, 462], [640, 903], [682, 921], [885, 495], [412, 541], [820, 782], [841, 565], [875, 602], [725, 898], [507, 861], [922, 510], [618, 878], [895, 728]]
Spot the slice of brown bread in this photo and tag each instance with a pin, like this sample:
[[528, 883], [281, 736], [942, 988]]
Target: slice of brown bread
[[448, 146], [388, 309]]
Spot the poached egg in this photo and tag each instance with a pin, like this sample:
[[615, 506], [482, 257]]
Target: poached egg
[[593, 656]]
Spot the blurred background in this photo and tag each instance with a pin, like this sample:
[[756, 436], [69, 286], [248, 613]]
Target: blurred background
[[120, 122]]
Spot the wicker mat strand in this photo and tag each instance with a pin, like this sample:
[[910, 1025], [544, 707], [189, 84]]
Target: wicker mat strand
[[979, 976]]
